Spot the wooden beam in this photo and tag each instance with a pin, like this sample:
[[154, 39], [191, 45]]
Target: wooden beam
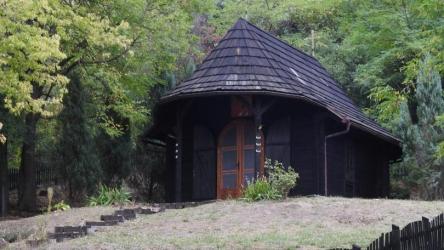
[[259, 109], [178, 157], [178, 151]]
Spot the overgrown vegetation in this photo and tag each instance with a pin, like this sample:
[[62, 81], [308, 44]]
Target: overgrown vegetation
[[109, 196], [78, 79], [276, 185], [260, 189]]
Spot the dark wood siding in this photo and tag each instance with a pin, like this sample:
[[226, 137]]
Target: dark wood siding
[[336, 165], [371, 167], [277, 141], [169, 174], [304, 153], [357, 162], [187, 159], [204, 164]]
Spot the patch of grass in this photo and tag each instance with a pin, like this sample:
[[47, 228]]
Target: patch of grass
[[16, 234], [296, 223]]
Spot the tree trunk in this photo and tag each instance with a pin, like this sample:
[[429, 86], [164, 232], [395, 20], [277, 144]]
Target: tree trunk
[[4, 179], [27, 201]]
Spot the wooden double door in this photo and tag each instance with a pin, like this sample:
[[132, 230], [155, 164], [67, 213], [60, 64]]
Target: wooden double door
[[236, 158]]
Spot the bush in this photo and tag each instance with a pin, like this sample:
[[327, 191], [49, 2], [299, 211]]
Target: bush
[[61, 206], [282, 180], [109, 196], [260, 189], [276, 186]]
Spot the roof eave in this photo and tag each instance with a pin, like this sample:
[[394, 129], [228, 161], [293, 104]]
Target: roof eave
[[385, 136]]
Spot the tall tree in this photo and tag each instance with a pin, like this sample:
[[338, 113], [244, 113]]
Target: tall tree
[[420, 140], [81, 169], [42, 42]]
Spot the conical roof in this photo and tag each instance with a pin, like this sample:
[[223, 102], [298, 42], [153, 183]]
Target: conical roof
[[250, 60]]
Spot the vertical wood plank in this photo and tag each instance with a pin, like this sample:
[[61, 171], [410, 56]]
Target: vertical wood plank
[[426, 232], [178, 154], [381, 241]]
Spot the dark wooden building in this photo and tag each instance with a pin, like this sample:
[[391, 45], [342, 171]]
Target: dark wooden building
[[256, 97]]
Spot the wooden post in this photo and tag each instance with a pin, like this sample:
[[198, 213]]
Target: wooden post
[[427, 233], [178, 156], [182, 109], [356, 247], [4, 182], [259, 109], [395, 238], [258, 147]]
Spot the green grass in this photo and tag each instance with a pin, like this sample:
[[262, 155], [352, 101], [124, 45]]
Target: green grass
[[297, 223]]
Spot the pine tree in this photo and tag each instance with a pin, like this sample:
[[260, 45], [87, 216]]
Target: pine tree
[[420, 140], [81, 168]]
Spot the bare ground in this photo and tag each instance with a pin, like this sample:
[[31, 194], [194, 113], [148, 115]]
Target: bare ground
[[297, 223]]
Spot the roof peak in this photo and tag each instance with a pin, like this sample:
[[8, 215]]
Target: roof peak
[[243, 23], [240, 24]]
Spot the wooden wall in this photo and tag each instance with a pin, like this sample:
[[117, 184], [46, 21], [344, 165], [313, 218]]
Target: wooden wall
[[336, 165], [207, 117], [294, 134], [278, 141], [169, 174], [304, 153], [204, 164], [372, 166], [358, 164], [292, 137]]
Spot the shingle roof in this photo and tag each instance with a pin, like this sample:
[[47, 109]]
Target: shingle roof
[[251, 60]]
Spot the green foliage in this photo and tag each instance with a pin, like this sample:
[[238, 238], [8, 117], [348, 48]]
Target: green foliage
[[115, 52], [277, 186], [440, 147], [98, 67], [282, 180], [420, 139], [109, 196], [261, 189], [61, 206], [81, 169]]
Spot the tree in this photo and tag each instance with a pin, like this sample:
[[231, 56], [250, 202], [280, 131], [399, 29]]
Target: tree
[[41, 43], [117, 104], [81, 168], [420, 140]]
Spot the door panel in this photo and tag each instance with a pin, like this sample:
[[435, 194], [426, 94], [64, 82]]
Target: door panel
[[236, 158], [229, 160]]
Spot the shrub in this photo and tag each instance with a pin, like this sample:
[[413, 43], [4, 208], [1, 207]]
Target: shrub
[[109, 196], [276, 186], [61, 206], [282, 180], [260, 189]]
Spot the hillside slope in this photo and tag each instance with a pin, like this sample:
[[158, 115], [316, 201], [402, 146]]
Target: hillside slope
[[297, 223]]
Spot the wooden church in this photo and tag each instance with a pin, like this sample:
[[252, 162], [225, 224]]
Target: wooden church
[[256, 97]]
